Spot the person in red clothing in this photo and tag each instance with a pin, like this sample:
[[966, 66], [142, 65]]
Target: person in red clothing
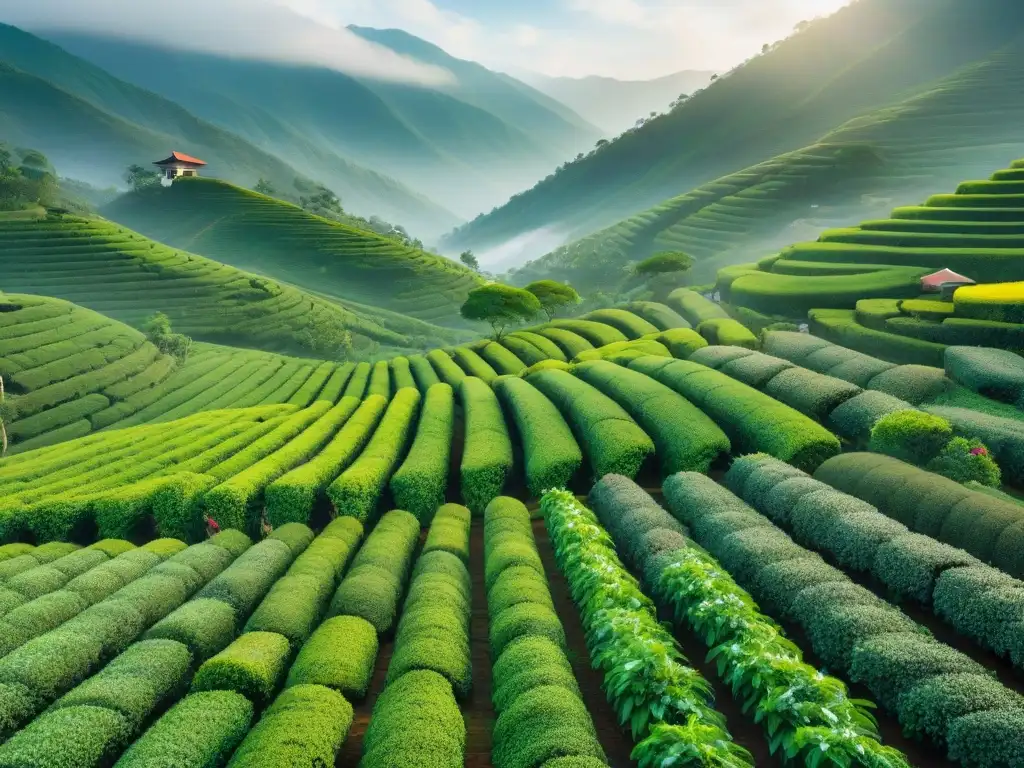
[[212, 528]]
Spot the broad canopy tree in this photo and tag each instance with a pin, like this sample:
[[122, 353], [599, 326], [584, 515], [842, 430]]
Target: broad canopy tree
[[664, 271], [553, 296], [500, 306]]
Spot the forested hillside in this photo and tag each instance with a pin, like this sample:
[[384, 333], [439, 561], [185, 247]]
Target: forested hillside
[[869, 55], [94, 125], [465, 145], [961, 127]]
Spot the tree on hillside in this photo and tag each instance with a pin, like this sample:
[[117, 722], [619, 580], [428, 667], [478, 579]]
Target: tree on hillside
[[500, 306], [158, 330], [26, 184], [553, 296], [664, 271], [139, 177], [322, 202], [264, 187], [467, 258]]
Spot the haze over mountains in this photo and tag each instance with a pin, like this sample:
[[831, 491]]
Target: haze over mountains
[[616, 105]]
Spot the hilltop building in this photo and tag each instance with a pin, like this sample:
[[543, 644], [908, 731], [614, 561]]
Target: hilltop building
[[177, 165], [944, 282]]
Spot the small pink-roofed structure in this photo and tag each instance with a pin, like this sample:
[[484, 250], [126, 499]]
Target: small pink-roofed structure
[[945, 281]]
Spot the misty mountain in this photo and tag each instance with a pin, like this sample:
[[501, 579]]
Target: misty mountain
[[616, 105], [868, 55], [93, 125], [467, 145]]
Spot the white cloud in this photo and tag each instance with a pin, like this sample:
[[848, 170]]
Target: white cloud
[[244, 28]]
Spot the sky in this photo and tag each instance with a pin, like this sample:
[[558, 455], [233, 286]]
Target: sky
[[626, 39]]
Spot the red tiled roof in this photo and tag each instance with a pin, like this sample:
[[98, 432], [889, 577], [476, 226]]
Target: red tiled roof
[[944, 276], [180, 157]]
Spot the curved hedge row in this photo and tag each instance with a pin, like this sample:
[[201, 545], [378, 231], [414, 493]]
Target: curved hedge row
[[357, 490], [995, 373], [648, 692], [727, 331], [544, 344], [631, 325], [569, 342], [423, 372], [694, 307], [419, 485], [990, 529], [524, 351], [446, 368], [685, 438], [360, 379], [541, 716], [374, 585], [611, 441], [503, 361], [551, 454], [753, 421], [709, 604], [936, 692], [598, 334], [401, 373], [487, 453], [474, 365], [291, 498], [659, 315]]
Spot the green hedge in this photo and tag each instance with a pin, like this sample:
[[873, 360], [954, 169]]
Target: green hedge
[[755, 370], [473, 365], [840, 327], [624, 320], [684, 437], [753, 421], [568, 342], [598, 334], [401, 373], [415, 721], [994, 373], [380, 380], [527, 353], [985, 526], [487, 453], [374, 585], [813, 394], [72, 737], [446, 368], [854, 419], [335, 385], [306, 725], [420, 483], [357, 490], [727, 331], [504, 362], [717, 356], [681, 342], [694, 307], [356, 386], [253, 665], [308, 392], [433, 633], [1003, 437], [660, 315], [201, 730], [339, 655], [550, 452], [449, 532], [849, 628], [244, 583], [914, 383], [611, 441], [423, 372], [293, 496]]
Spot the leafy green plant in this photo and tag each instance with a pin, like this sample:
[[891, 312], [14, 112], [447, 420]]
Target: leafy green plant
[[646, 677], [500, 306], [965, 460], [553, 296], [912, 436], [691, 745]]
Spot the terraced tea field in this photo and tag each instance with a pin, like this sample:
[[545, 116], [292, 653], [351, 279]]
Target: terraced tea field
[[966, 121], [270, 237], [464, 557], [112, 270]]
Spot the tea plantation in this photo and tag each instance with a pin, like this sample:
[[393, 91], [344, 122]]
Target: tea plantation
[[664, 533]]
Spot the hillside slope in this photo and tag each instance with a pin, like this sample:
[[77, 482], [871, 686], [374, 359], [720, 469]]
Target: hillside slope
[[108, 268], [963, 126], [254, 232], [69, 371], [866, 56], [94, 125], [451, 146]]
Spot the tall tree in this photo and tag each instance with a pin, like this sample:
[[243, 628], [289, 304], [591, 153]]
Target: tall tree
[[500, 306], [140, 177], [467, 258], [664, 271], [553, 296]]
